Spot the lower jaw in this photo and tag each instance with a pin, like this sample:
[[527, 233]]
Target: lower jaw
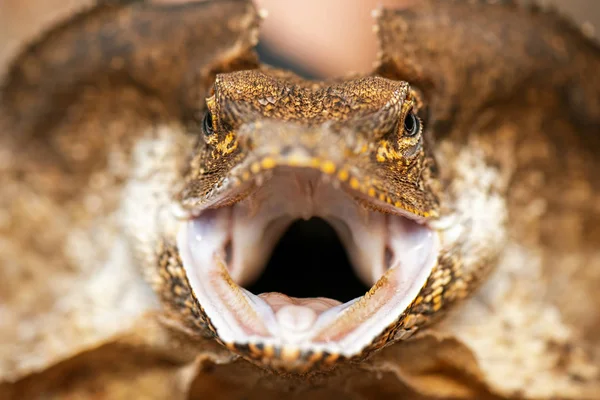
[[294, 327]]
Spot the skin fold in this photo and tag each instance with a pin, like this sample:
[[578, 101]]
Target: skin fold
[[103, 154]]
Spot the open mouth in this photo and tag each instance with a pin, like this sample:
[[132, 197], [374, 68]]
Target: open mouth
[[302, 262]]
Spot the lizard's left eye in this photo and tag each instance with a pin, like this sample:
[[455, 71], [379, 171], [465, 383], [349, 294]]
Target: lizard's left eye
[[207, 124], [412, 124]]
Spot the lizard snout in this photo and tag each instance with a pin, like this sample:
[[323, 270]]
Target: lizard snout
[[289, 141]]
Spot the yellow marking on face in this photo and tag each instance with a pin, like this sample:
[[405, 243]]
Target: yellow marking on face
[[178, 290], [315, 162], [381, 154], [328, 167], [382, 197], [228, 145], [371, 192], [406, 107], [397, 204], [410, 321], [343, 175], [268, 163], [386, 152], [211, 102], [354, 184], [245, 175], [255, 167]]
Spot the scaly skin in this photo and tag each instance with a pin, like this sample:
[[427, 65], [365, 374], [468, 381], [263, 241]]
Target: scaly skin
[[92, 129], [362, 145]]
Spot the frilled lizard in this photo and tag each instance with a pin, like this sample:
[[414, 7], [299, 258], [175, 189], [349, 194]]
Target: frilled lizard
[[149, 135]]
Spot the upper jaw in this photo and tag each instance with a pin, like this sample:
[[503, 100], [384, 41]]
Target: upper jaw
[[341, 154], [226, 245]]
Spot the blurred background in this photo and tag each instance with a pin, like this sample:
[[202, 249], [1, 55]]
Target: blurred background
[[334, 37], [318, 38]]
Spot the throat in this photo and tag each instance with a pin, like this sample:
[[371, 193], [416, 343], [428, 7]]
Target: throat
[[310, 261]]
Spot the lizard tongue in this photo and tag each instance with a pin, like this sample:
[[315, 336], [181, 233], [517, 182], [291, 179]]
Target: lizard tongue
[[297, 314]]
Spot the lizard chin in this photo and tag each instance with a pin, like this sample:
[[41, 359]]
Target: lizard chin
[[224, 249]]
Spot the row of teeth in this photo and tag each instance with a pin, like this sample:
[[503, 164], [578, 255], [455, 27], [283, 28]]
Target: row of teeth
[[259, 171]]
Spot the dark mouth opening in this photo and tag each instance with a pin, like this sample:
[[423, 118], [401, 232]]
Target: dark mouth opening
[[310, 261]]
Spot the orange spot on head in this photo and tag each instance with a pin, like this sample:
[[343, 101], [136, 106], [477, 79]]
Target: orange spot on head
[[268, 163], [328, 167], [343, 175]]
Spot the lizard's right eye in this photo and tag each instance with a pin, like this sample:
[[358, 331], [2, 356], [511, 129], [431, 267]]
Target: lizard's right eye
[[412, 124], [207, 124]]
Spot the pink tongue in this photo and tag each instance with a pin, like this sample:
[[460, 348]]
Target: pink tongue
[[280, 300], [296, 315]]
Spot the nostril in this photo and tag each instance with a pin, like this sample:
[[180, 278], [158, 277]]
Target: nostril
[[286, 150]]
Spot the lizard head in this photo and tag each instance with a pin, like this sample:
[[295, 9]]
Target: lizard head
[[364, 133], [272, 149]]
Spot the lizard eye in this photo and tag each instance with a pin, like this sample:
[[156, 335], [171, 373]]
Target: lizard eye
[[207, 124], [412, 124]]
